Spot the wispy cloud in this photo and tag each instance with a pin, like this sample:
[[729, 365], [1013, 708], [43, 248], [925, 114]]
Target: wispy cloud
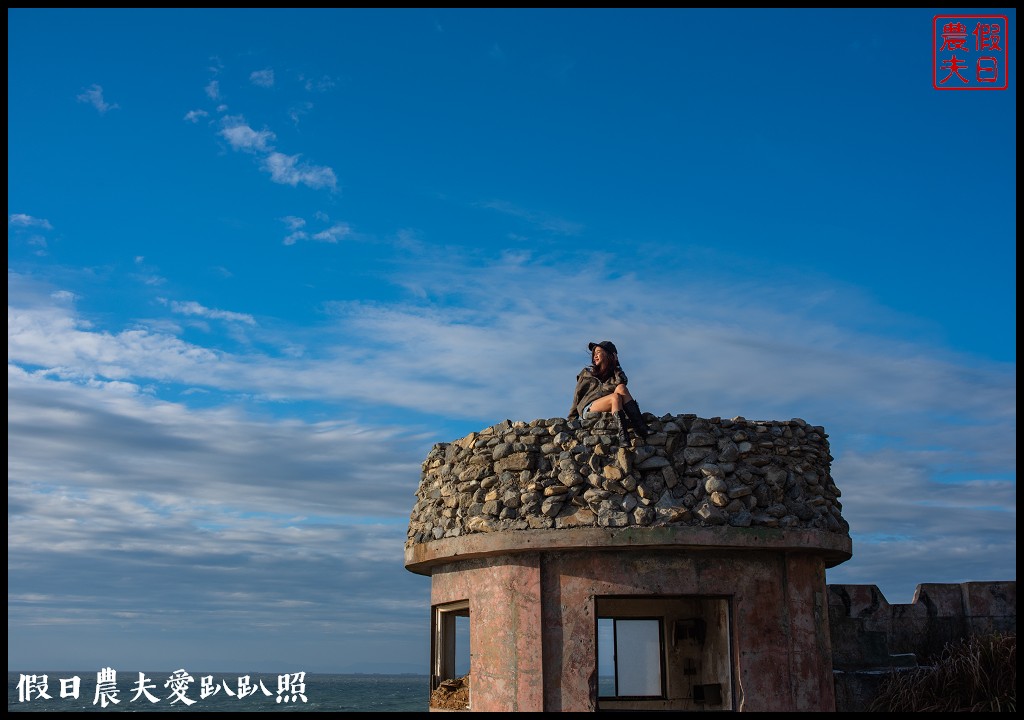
[[27, 221], [321, 84], [293, 222], [918, 434], [257, 525], [262, 78], [331, 234], [94, 96], [29, 230], [541, 220], [194, 308], [243, 137], [283, 169], [287, 170], [296, 112]]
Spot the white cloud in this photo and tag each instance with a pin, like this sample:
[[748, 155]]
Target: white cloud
[[94, 96], [22, 220], [333, 233], [283, 169], [194, 308], [211, 526], [262, 78], [243, 137], [211, 459], [287, 170], [293, 222], [195, 116], [923, 439]]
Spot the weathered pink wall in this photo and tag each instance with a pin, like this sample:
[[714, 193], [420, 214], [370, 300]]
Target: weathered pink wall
[[505, 629], [533, 626]]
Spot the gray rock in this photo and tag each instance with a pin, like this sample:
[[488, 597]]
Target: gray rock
[[554, 473]]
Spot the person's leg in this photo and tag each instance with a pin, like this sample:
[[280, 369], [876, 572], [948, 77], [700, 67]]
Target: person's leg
[[621, 400], [633, 414], [609, 403], [613, 403]]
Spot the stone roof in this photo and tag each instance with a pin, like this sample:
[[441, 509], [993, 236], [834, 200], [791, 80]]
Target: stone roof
[[556, 473]]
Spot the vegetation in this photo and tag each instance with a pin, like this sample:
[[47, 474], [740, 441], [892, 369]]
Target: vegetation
[[975, 674]]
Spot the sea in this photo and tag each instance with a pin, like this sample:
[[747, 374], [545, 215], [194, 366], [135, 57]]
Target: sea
[[215, 692]]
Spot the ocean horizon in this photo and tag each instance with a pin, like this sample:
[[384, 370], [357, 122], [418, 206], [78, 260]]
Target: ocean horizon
[[178, 690]]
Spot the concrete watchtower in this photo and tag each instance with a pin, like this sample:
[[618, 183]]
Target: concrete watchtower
[[570, 574]]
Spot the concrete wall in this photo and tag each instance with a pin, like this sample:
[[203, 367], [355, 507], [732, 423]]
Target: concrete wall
[[871, 637], [506, 628], [866, 629], [520, 603]]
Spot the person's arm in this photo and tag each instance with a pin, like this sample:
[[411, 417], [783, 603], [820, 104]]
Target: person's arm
[[577, 395]]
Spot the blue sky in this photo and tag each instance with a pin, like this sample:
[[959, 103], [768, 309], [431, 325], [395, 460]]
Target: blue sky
[[260, 261]]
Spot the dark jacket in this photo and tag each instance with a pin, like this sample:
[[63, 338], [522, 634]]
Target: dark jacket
[[589, 388]]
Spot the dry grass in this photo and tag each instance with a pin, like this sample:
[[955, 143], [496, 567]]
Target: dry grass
[[451, 694], [976, 674]]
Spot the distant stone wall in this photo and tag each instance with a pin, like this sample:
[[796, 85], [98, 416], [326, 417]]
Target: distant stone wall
[[868, 632], [871, 638], [555, 473]]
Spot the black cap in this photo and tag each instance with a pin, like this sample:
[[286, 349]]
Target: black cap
[[606, 344]]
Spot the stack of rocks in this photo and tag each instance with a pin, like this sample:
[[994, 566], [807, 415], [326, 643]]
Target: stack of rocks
[[558, 473]]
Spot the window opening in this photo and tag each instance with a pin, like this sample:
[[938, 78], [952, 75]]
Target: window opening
[[451, 666], [633, 661], [664, 653]]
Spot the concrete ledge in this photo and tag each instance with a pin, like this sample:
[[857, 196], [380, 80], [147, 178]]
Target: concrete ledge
[[834, 549]]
